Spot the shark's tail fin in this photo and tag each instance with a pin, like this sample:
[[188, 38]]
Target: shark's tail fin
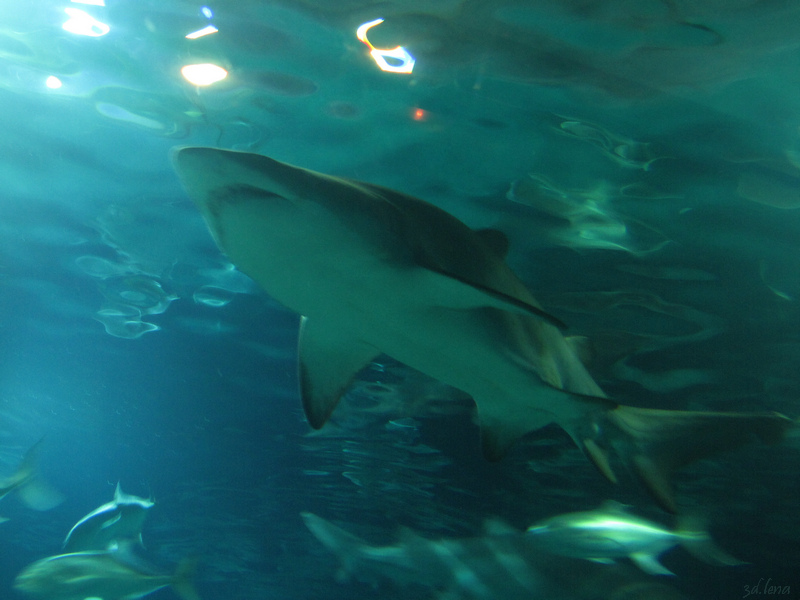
[[29, 485], [697, 541], [183, 580], [343, 544], [654, 443]]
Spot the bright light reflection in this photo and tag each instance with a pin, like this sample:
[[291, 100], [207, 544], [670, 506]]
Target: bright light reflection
[[53, 82], [201, 32], [206, 12], [82, 23], [203, 74], [402, 61]]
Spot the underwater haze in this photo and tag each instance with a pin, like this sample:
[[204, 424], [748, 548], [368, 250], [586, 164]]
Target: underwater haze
[[643, 160]]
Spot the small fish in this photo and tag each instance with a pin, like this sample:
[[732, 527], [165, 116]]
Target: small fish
[[500, 564], [610, 532], [110, 575], [116, 521], [28, 485]]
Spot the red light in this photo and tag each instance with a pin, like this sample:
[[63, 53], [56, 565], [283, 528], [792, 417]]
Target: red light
[[419, 115]]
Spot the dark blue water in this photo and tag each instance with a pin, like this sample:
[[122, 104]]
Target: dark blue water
[[643, 159]]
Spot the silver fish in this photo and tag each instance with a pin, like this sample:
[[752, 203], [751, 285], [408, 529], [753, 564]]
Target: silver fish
[[611, 532], [373, 271], [116, 521], [110, 575], [501, 564]]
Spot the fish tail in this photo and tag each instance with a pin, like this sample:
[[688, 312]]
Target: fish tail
[[183, 580], [694, 536], [342, 543], [655, 443], [29, 485]]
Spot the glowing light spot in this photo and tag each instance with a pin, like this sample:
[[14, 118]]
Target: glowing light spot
[[53, 82], [209, 29], [419, 114], [402, 61], [82, 23], [206, 12], [203, 74]]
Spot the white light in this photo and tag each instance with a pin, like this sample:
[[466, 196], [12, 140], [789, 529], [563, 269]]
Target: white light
[[361, 32], [53, 82], [406, 60], [203, 74], [209, 29], [82, 23], [406, 64], [206, 12]]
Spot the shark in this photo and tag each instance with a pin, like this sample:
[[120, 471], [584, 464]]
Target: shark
[[119, 520], [499, 564], [374, 271]]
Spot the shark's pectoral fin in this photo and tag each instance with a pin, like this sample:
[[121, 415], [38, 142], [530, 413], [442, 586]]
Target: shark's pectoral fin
[[657, 442], [458, 292], [649, 564], [329, 359]]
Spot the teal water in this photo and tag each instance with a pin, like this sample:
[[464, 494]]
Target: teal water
[[643, 158]]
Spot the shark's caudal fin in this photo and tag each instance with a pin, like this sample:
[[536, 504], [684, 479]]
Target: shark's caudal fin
[[654, 443]]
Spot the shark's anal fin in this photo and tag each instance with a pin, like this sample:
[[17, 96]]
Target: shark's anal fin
[[328, 361], [657, 442]]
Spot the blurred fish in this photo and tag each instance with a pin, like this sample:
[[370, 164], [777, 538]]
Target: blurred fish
[[611, 532], [118, 520], [110, 575], [375, 271], [28, 485], [501, 565]]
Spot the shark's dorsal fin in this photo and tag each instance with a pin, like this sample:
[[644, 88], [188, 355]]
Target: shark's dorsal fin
[[496, 240], [329, 359]]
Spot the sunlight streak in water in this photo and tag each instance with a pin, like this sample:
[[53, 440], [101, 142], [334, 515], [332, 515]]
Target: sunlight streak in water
[[203, 74], [207, 30], [82, 23], [402, 61]]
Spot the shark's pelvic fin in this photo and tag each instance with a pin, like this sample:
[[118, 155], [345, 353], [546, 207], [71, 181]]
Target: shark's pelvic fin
[[328, 360]]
